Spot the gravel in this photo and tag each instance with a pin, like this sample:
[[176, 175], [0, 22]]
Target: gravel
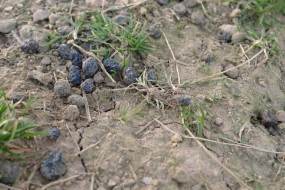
[[7, 25], [88, 86], [9, 172], [130, 75], [62, 88], [75, 58], [111, 66], [90, 67], [30, 46], [77, 100], [64, 51], [71, 113], [53, 133], [74, 75], [53, 166]]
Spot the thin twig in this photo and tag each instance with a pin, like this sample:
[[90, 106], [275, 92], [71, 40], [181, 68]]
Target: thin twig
[[9, 187], [59, 181], [99, 61], [87, 109], [145, 126], [91, 146], [129, 6], [71, 5], [92, 182], [133, 172]]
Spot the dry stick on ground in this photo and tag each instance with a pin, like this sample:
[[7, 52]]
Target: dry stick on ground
[[70, 8], [129, 6], [145, 126], [59, 181], [92, 182], [9, 187], [99, 61], [217, 74], [208, 153], [174, 58], [87, 107]]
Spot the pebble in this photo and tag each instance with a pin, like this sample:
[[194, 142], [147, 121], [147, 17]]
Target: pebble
[[30, 46], [280, 115], [121, 20], [53, 133], [9, 8], [9, 172], [64, 51], [154, 32], [74, 75], [98, 78], [228, 28], [62, 88], [143, 11], [233, 73], [7, 25], [16, 96], [90, 67], [111, 66], [218, 121], [176, 138], [111, 183], [147, 180], [71, 113], [88, 86], [151, 76], [53, 18], [53, 166], [268, 118], [183, 100], [130, 75], [75, 58], [198, 18], [40, 15], [46, 61], [225, 37], [280, 156], [235, 13], [163, 2], [77, 100], [180, 9], [64, 30], [190, 3], [38, 77]]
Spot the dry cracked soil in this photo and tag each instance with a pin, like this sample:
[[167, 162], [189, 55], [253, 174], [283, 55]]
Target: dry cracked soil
[[133, 141]]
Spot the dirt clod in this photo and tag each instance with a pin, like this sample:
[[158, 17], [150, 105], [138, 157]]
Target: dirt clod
[[180, 9], [9, 172], [38, 77], [111, 66], [62, 88], [30, 46], [40, 15], [232, 73], [71, 113], [7, 25], [268, 118], [76, 100], [190, 3], [162, 2]]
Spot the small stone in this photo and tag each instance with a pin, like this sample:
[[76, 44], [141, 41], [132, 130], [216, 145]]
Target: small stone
[[198, 18], [280, 115], [88, 86], [30, 46], [281, 126], [74, 75], [280, 156], [76, 100], [90, 67], [218, 121], [268, 118], [16, 96], [62, 88], [154, 32], [232, 73], [98, 78], [180, 9], [237, 37], [112, 66], [53, 166], [208, 57], [9, 172], [9, 8], [38, 77], [7, 25], [71, 113], [183, 100], [53, 133], [235, 13], [122, 20], [228, 28], [176, 138], [64, 51], [130, 75], [111, 183], [151, 76], [46, 61], [64, 30], [143, 11], [40, 15], [147, 180], [162, 2], [75, 58], [225, 37], [53, 18], [190, 3]]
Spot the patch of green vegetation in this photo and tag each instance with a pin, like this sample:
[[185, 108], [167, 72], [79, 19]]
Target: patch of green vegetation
[[259, 21], [194, 117], [127, 114], [106, 35], [12, 127]]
